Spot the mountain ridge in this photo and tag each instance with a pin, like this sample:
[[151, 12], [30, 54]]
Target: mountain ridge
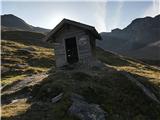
[[132, 41], [12, 22], [34, 93], [139, 34], [120, 88]]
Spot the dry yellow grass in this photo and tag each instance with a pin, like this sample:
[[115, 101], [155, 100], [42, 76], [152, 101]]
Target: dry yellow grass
[[141, 70], [14, 109], [25, 64], [12, 79]]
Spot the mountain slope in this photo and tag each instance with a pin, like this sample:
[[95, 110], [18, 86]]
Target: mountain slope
[[21, 58], [104, 86], [12, 22], [119, 89], [137, 40], [22, 35]]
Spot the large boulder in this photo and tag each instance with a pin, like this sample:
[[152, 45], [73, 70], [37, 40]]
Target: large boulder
[[85, 111]]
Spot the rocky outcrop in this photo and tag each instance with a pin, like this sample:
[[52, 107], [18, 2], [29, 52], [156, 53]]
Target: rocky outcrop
[[85, 111]]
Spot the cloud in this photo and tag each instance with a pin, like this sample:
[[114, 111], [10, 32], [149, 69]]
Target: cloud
[[100, 15], [153, 10], [118, 14]]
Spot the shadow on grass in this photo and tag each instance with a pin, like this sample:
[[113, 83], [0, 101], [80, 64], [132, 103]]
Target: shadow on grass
[[26, 37], [111, 58], [118, 96]]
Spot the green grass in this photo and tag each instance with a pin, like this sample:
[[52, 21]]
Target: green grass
[[117, 95], [15, 109]]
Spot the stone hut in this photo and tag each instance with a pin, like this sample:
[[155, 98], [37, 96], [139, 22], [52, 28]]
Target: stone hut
[[74, 43]]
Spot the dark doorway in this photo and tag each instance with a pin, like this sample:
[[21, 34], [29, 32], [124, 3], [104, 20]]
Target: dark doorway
[[71, 50]]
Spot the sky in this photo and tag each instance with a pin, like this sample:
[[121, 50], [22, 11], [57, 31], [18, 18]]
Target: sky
[[104, 15]]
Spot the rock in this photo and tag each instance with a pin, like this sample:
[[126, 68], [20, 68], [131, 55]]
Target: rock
[[3, 53], [49, 90], [57, 98], [30, 97], [4, 70], [38, 103], [84, 110], [21, 65], [14, 101], [30, 48], [25, 51], [18, 100], [98, 64]]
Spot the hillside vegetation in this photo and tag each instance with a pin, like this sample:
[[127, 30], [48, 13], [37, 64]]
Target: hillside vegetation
[[116, 88], [120, 63], [21, 59], [22, 35], [106, 86]]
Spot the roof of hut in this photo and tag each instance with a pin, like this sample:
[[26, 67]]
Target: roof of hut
[[89, 28]]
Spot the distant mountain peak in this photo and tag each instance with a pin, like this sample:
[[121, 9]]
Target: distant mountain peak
[[140, 39], [9, 15], [142, 23], [116, 30], [10, 21], [157, 17]]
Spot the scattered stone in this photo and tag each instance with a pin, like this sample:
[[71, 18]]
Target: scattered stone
[[21, 65], [85, 111], [30, 48], [25, 51], [18, 99], [49, 90], [38, 103], [57, 98], [3, 53], [4, 70], [97, 65], [30, 97], [14, 101]]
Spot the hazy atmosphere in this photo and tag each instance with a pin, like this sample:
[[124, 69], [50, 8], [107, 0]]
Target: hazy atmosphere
[[104, 15]]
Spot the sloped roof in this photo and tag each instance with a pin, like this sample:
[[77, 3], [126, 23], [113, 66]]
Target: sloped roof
[[71, 22]]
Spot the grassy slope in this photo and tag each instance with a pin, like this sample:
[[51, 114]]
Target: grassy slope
[[23, 64], [120, 63], [118, 96], [23, 35]]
